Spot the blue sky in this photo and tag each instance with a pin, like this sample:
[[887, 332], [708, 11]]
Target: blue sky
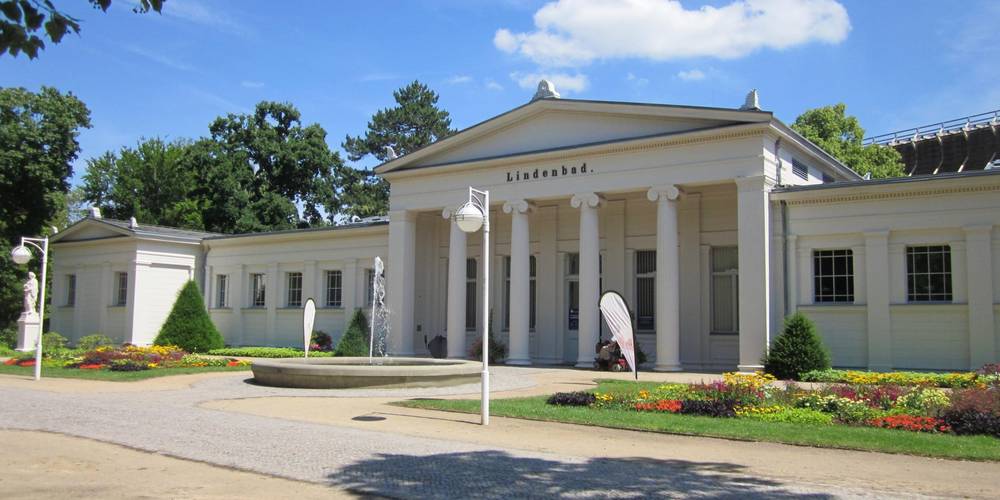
[[895, 64]]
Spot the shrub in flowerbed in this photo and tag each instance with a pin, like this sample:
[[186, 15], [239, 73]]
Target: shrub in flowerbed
[[785, 414], [128, 365], [188, 325], [321, 341], [579, 398], [797, 350]]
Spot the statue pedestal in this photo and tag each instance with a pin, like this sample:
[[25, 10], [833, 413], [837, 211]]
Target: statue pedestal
[[28, 326]]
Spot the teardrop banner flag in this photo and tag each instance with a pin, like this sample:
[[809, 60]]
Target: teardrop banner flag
[[619, 321], [308, 319]]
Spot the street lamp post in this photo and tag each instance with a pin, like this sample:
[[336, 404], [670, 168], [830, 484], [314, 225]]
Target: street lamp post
[[471, 216], [22, 255]]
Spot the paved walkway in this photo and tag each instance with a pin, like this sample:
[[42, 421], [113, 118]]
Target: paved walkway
[[353, 440]]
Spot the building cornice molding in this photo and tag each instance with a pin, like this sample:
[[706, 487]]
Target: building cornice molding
[[881, 193]]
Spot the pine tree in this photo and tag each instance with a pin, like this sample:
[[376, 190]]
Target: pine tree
[[355, 341], [799, 349], [188, 325]]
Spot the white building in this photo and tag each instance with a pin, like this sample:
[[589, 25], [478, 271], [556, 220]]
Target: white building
[[713, 223]]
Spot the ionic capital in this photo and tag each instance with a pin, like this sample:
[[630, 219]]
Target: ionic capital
[[667, 192], [590, 200], [518, 206]]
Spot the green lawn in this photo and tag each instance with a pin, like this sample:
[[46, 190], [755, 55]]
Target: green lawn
[[982, 448], [114, 376]]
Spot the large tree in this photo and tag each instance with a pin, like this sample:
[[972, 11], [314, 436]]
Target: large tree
[[21, 20], [841, 135], [414, 122], [253, 173], [38, 144]]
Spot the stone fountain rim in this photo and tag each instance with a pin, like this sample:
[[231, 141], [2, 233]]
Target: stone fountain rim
[[347, 372]]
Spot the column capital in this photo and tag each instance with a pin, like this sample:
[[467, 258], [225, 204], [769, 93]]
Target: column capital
[[448, 212], [521, 206], [754, 183], [666, 192], [877, 235], [591, 200], [982, 231]]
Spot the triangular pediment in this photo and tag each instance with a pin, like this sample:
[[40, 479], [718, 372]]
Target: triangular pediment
[[90, 229], [552, 124]]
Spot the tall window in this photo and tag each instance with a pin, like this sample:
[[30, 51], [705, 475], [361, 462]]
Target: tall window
[[725, 290], [121, 289], [222, 291], [70, 289], [928, 273], [471, 271], [833, 276], [531, 292], [369, 286], [258, 292], [334, 291], [645, 289], [294, 296]]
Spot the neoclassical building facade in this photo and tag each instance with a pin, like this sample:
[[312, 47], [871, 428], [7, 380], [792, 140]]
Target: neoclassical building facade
[[713, 223]]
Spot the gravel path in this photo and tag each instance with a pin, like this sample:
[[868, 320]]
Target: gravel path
[[172, 423]]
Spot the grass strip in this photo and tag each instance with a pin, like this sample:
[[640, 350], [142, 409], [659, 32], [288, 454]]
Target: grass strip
[[979, 448], [107, 375]]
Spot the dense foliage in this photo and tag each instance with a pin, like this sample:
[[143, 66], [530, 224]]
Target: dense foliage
[[578, 398], [841, 135], [355, 341], [498, 350], [38, 144], [188, 325], [20, 20], [797, 350], [414, 122]]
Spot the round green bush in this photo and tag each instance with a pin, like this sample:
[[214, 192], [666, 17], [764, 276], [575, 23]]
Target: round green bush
[[91, 342], [797, 350], [355, 341], [188, 325]]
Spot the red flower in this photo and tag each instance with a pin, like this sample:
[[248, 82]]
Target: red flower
[[29, 362], [233, 362], [11, 361], [662, 405], [91, 367], [911, 423]]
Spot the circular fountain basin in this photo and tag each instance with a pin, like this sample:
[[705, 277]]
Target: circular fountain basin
[[349, 373]]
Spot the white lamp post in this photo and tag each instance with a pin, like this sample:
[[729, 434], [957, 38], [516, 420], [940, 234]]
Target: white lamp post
[[22, 255], [470, 217]]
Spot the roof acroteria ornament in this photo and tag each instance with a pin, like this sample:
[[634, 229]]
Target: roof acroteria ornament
[[546, 90]]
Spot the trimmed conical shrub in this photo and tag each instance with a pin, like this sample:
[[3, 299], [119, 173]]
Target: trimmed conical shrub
[[355, 342], [797, 350], [188, 325]]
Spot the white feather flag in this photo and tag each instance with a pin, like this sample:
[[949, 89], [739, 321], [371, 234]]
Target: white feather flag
[[308, 319], [620, 322]]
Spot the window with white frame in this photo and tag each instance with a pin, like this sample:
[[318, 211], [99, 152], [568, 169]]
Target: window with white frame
[[531, 292], [334, 289], [70, 290], [258, 290], [928, 273], [833, 275], [471, 272], [293, 297], [222, 291], [121, 289], [725, 290], [645, 289]]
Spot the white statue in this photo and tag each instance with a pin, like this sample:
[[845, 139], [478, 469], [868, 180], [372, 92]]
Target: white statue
[[30, 293]]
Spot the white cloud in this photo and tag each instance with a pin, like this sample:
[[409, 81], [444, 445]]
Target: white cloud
[[493, 85], [691, 75], [250, 84], [637, 81], [159, 58], [577, 32], [459, 79], [564, 82]]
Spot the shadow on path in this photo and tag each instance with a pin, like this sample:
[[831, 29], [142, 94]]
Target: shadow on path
[[499, 475]]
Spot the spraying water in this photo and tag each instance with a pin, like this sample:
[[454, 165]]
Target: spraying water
[[380, 316]]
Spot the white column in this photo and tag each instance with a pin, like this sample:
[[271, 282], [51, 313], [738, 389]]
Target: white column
[[877, 280], [131, 334], [668, 317], [753, 226], [590, 277], [310, 283], [105, 294], [349, 288], [792, 280], [401, 277], [457, 257], [979, 265], [237, 301], [520, 277], [272, 297]]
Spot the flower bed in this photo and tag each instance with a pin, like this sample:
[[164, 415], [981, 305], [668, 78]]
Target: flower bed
[[961, 380], [973, 410], [130, 358]]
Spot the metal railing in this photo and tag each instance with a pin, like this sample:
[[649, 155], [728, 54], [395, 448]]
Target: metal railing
[[916, 133]]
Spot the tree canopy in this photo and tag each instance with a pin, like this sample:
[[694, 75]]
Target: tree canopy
[[414, 122], [38, 143], [841, 135], [21, 20], [251, 174]]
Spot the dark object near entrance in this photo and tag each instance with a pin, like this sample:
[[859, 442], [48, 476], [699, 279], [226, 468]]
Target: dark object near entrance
[[579, 398], [609, 357], [438, 346]]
